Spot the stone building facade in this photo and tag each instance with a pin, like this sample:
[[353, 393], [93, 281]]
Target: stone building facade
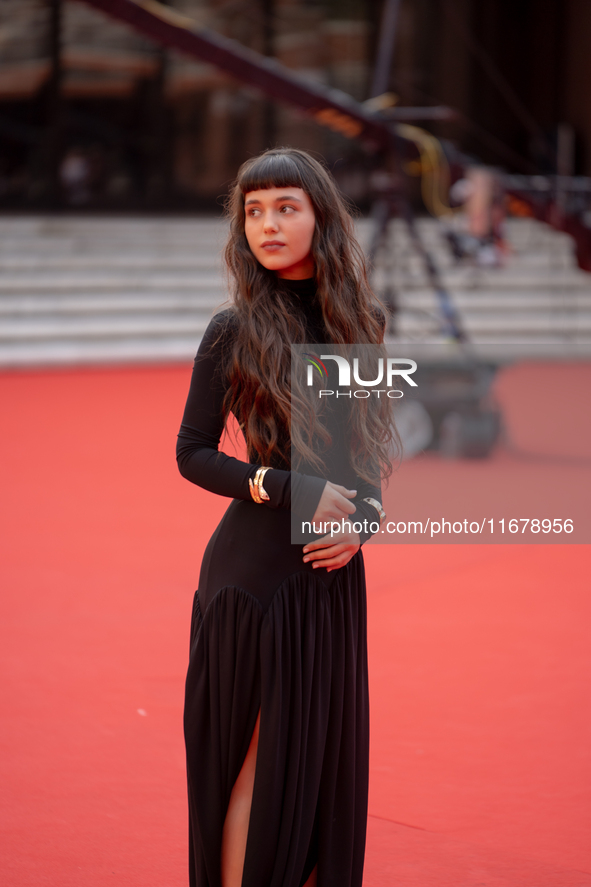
[[138, 126], [151, 126]]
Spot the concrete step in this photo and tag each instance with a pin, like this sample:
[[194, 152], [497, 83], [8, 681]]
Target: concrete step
[[66, 352], [515, 279], [499, 301], [208, 300], [111, 303], [181, 260], [103, 327], [107, 282], [183, 273], [496, 324]]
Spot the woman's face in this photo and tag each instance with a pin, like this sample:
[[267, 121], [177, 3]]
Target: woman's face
[[279, 226]]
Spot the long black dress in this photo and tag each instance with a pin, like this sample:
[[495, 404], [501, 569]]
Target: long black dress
[[270, 633]]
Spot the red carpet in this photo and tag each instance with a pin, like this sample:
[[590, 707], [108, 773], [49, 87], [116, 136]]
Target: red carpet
[[480, 663]]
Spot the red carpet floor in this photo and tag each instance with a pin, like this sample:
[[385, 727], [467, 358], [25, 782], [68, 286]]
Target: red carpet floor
[[480, 662]]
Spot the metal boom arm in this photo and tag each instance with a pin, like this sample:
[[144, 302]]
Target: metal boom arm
[[329, 107]]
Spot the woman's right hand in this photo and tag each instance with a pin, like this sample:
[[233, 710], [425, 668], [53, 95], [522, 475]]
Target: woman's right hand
[[334, 503]]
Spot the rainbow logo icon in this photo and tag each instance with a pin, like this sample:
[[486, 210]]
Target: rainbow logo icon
[[314, 361]]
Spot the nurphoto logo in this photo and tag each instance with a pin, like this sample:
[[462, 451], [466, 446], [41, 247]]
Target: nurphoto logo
[[402, 367]]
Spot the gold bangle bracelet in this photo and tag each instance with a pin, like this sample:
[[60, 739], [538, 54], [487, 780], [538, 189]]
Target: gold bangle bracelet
[[257, 490], [261, 490], [378, 507]]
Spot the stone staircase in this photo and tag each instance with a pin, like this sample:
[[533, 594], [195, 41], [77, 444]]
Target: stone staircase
[[79, 290], [96, 290], [538, 300]]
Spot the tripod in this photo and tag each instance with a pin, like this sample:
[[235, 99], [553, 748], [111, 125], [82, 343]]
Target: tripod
[[390, 203]]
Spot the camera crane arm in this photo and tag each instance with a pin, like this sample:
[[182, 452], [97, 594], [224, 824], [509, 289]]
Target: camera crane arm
[[329, 107]]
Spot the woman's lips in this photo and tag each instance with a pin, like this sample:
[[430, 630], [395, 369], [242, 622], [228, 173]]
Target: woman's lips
[[272, 246]]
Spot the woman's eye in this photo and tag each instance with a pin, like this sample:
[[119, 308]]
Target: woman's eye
[[287, 209]]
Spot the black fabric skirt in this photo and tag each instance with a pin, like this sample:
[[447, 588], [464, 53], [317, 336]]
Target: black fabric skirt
[[271, 634]]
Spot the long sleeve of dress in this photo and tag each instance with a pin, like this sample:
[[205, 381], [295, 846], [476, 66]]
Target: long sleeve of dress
[[198, 455]]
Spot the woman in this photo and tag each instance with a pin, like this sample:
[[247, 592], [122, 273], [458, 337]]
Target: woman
[[276, 714]]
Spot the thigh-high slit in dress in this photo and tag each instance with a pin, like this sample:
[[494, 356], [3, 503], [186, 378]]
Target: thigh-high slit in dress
[[271, 634]]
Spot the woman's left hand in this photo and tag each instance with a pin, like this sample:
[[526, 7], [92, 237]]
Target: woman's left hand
[[332, 551]]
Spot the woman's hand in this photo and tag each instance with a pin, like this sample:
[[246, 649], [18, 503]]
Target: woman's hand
[[336, 550], [334, 504], [332, 551]]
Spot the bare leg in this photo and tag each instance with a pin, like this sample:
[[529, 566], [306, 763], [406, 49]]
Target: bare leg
[[238, 817]]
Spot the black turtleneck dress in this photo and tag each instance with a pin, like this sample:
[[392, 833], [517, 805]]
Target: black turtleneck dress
[[271, 634]]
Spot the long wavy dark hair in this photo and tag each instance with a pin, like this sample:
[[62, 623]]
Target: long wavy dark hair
[[276, 413]]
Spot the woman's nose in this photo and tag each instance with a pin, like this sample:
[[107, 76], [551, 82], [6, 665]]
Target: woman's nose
[[270, 222]]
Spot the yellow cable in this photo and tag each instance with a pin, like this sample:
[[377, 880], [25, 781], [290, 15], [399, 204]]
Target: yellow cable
[[435, 174]]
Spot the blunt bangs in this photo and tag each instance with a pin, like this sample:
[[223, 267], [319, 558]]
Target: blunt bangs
[[273, 170]]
